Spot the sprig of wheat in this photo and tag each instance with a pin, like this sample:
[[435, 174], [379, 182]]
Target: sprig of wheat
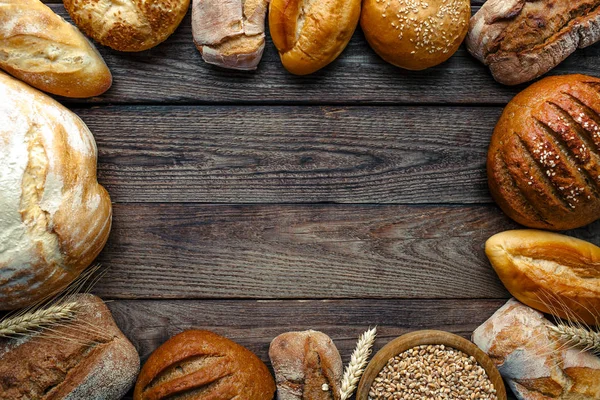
[[581, 337], [358, 363]]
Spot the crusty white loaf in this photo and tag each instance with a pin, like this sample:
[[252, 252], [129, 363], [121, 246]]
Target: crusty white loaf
[[42, 49], [54, 216], [230, 33], [535, 365]]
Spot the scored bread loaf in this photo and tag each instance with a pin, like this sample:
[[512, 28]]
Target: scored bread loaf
[[86, 358], [54, 216], [307, 366], [42, 49], [128, 25], [544, 158], [231, 33]]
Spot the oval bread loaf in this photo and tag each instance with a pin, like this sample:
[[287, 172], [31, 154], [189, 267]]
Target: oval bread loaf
[[201, 365], [54, 216], [310, 34], [42, 49], [544, 158], [552, 273]]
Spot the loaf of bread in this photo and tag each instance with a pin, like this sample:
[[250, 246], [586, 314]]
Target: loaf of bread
[[521, 40], [128, 25], [307, 366], [230, 34], [416, 34], [536, 365], [552, 273], [311, 34], [42, 49], [86, 358], [201, 365], [54, 216], [544, 159]]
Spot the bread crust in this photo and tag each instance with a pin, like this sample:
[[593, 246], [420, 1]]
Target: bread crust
[[42, 49], [521, 40], [544, 157], [310, 34], [128, 25], [201, 365], [87, 358], [55, 216]]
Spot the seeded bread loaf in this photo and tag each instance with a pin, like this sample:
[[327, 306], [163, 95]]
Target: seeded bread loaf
[[535, 365], [54, 216], [42, 49], [87, 358], [521, 40], [307, 366], [544, 159], [201, 365]]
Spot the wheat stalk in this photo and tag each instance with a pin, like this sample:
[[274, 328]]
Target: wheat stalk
[[581, 337], [38, 319], [358, 363]]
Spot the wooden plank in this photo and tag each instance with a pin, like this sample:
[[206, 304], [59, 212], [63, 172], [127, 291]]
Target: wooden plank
[[174, 72], [255, 154]]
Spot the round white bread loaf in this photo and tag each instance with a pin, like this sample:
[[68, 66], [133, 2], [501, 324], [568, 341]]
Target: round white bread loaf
[[54, 216]]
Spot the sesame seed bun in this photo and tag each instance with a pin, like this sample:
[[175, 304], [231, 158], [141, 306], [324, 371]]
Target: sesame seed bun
[[415, 34]]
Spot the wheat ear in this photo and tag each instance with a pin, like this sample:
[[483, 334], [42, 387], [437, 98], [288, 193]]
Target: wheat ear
[[580, 337], [358, 363]]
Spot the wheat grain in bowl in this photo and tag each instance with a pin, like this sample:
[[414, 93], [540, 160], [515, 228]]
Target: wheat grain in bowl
[[432, 372]]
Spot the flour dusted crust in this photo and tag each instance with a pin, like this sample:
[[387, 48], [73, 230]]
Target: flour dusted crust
[[534, 364], [54, 216], [128, 25]]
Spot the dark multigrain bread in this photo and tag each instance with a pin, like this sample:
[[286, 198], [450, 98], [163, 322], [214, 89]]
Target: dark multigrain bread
[[544, 159], [201, 365], [307, 366], [88, 358], [521, 40]]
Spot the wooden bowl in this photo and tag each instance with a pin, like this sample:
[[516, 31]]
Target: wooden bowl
[[414, 339]]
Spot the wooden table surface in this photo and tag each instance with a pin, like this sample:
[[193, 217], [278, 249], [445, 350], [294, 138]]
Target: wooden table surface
[[252, 204]]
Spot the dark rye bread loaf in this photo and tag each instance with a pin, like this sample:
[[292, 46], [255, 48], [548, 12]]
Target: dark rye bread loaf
[[544, 159], [521, 40], [201, 365], [88, 358]]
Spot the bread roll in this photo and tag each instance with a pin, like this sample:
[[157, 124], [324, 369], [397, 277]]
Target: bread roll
[[230, 34], [417, 34], [201, 365], [87, 358], [42, 49], [54, 216], [535, 365], [307, 366], [544, 159], [311, 34], [553, 273], [128, 25], [521, 40]]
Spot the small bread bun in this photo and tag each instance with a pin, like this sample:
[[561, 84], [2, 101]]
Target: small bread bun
[[415, 34]]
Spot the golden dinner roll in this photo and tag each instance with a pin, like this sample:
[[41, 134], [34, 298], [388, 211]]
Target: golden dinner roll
[[415, 34]]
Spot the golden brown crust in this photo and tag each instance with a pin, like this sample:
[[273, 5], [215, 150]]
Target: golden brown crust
[[201, 365], [544, 158], [40, 48], [128, 25], [310, 34], [415, 34]]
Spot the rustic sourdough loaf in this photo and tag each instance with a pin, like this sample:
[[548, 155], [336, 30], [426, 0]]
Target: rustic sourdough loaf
[[87, 358], [544, 158], [230, 34], [54, 216], [128, 25], [307, 366], [40, 48], [521, 40]]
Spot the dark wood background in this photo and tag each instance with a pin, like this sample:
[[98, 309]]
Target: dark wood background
[[252, 204]]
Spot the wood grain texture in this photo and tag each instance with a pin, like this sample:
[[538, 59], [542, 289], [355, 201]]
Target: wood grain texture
[[281, 154], [174, 72]]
